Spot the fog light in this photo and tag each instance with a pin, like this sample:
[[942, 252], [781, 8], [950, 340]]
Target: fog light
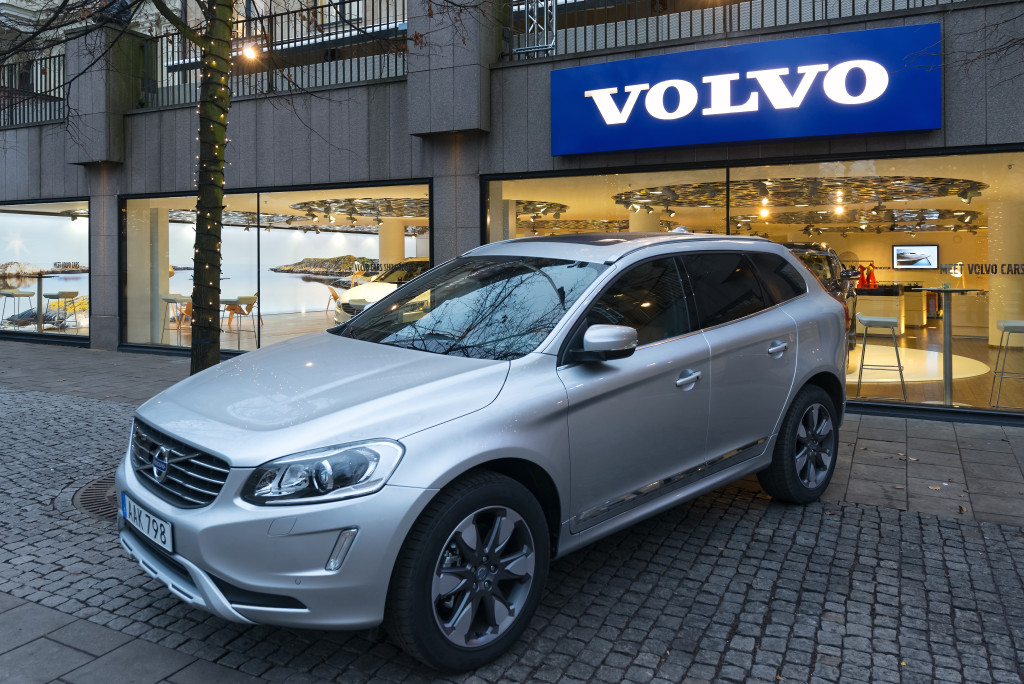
[[340, 549]]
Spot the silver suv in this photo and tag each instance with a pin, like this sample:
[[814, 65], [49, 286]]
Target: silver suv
[[423, 463]]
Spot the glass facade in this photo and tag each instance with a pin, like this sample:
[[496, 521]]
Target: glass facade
[[932, 243], [44, 268], [285, 259]]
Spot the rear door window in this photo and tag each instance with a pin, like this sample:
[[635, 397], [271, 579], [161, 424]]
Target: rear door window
[[725, 287], [780, 278]]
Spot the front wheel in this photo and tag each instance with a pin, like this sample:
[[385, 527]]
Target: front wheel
[[806, 450], [470, 574]]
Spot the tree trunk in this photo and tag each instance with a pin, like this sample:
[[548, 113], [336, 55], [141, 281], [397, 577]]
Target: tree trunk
[[214, 103]]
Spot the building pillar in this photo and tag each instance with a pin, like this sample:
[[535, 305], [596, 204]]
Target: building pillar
[[642, 222], [104, 283], [392, 240], [148, 274], [1005, 246], [455, 222]]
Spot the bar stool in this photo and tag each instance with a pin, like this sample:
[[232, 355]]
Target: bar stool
[[243, 306], [173, 302], [16, 295], [879, 322], [63, 295], [1006, 328]]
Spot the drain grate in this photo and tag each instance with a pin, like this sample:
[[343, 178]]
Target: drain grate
[[97, 499]]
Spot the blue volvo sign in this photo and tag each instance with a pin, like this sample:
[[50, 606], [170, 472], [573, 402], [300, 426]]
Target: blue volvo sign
[[875, 81]]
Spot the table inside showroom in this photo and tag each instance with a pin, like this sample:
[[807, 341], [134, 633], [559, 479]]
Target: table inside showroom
[[947, 334], [39, 295]]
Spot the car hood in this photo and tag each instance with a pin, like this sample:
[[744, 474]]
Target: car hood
[[319, 390], [368, 292]]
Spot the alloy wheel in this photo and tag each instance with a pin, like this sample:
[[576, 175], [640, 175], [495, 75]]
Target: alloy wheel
[[483, 576], [814, 446]]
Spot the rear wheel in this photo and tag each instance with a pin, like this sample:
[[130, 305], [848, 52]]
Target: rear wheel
[[470, 574], [806, 450]]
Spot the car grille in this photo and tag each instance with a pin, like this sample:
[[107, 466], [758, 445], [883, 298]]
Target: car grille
[[193, 478], [349, 309]]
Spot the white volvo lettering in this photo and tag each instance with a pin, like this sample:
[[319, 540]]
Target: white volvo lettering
[[770, 82], [778, 94], [721, 96], [655, 99], [876, 80], [606, 105]]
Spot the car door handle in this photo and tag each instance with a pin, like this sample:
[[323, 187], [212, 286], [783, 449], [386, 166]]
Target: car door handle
[[688, 377], [777, 348]]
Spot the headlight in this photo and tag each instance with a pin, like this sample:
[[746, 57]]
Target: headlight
[[325, 474]]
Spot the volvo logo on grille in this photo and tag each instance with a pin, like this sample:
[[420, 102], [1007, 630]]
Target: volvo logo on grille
[[160, 464]]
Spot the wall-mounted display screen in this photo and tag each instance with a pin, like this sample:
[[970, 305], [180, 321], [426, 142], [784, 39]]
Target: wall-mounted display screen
[[915, 256]]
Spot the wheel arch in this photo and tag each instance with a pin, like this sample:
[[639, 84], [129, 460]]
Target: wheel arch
[[833, 387], [540, 484]]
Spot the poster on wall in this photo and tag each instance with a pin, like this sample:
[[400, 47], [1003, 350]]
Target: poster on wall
[[915, 256]]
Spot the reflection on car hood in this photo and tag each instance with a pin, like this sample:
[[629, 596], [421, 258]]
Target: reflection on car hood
[[318, 390]]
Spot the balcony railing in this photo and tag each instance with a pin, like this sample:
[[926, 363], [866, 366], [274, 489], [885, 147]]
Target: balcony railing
[[348, 41], [32, 91], [562, 27]]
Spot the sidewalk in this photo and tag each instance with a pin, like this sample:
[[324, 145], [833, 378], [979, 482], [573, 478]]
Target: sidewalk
[[866, 585]]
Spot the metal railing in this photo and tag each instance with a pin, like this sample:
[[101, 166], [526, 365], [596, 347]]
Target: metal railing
[[587, 25], [348, 41], [32, 91]]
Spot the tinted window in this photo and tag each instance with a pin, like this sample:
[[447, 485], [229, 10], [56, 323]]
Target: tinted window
[[779, 277], [481, 307], [724, 286], [649, 298]]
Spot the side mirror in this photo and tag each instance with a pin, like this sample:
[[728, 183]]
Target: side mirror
[[850, 274], [606, 343]]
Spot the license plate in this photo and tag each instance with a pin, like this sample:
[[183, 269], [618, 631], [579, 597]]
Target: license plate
[[156, 530]]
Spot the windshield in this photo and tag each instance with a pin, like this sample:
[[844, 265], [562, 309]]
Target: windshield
[[481, 307], [403, 272]]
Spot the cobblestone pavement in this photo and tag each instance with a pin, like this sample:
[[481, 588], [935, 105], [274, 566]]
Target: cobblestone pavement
[[729, 587]]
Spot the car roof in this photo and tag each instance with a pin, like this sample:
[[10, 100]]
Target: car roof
[[607, 247]]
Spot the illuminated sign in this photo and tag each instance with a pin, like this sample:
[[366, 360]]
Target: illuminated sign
[[876, 81]]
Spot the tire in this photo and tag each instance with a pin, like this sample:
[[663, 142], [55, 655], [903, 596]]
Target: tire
[[806, 450], [450, 605]]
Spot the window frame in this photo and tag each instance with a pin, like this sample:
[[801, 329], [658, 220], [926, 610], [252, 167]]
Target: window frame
[[771, 303], [581, 317]]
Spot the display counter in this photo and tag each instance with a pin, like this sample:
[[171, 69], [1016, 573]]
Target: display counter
[[915, 309], [884, 301], [970, 315]]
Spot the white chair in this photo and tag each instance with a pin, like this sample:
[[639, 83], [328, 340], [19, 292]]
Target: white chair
[[1006, 330]]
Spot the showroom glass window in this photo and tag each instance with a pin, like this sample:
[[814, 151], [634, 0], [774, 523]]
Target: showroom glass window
[[900, 224], [44, 268], [286, 258]]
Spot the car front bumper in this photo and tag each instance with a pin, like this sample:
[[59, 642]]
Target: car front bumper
[[267, 564]]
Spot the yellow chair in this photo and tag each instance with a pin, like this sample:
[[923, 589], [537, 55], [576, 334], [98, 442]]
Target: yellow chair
[[332, 300]]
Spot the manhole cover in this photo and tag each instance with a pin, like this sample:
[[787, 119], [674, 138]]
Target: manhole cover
[[97, 499]]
